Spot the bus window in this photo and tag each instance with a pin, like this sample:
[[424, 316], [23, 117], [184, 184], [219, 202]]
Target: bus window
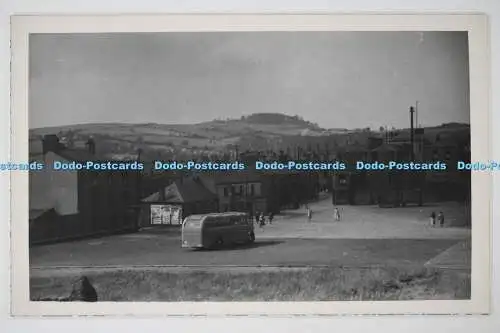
[[192, 222], [210, 222]]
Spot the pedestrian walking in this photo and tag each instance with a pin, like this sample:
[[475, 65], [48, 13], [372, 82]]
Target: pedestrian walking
[[309, 214], [257, 217], [433, 219], [271, 217], [262, 221], [336, 214], [441, 219]]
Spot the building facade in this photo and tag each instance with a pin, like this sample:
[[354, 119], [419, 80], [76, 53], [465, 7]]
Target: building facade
[[399, 188], [83, 203], [243, 191], [173, 203]]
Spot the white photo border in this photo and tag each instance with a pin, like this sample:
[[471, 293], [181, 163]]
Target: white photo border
[[480, 115]]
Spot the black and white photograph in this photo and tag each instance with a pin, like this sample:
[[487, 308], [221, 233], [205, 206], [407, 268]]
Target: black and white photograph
[[249, 166]]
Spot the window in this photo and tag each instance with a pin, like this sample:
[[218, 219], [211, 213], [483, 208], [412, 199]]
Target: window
[[225, 192], [222, 221], [194, 222], [252, 189], [241, 189]]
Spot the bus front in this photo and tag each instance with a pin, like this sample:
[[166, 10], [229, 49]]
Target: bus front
[[192, 236]]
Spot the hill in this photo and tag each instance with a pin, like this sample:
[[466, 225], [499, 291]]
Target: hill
[[260, 131], [251, 131]]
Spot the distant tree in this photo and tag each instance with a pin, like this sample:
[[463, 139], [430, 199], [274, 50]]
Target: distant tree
[[381, 129], [70, 138]]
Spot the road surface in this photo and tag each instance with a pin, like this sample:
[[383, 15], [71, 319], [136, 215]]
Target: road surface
[[365, 236]]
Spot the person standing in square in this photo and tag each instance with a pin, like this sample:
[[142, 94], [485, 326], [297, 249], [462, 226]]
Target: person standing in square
[[309, 214], [441, 219], [336, 214], [262, 221], [433, 219]]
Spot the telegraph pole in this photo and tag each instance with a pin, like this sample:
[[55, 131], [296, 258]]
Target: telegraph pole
[[412, 139], [416, 114]]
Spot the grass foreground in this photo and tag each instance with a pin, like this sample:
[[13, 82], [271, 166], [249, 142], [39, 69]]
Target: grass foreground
[[312, 284]]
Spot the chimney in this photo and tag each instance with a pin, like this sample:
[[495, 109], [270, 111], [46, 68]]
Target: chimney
[[412, 139], [91, 146], [51, 143]]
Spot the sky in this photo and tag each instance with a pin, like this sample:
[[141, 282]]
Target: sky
[[334, 79]]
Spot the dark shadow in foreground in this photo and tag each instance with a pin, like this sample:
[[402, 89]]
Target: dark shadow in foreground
[[235, 247]]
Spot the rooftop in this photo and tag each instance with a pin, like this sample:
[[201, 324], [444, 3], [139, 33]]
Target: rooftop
[[81, 155], [243, 176], [187, 190], [393, 146]]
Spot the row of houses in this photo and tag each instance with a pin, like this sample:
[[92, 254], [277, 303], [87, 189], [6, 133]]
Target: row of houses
[[80, 203], [398, 188]]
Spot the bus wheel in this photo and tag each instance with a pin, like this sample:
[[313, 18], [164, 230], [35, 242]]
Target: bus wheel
[[251, 237], [219, 242]]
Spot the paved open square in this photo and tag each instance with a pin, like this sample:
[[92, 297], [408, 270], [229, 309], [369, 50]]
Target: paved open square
[[365, 236]]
